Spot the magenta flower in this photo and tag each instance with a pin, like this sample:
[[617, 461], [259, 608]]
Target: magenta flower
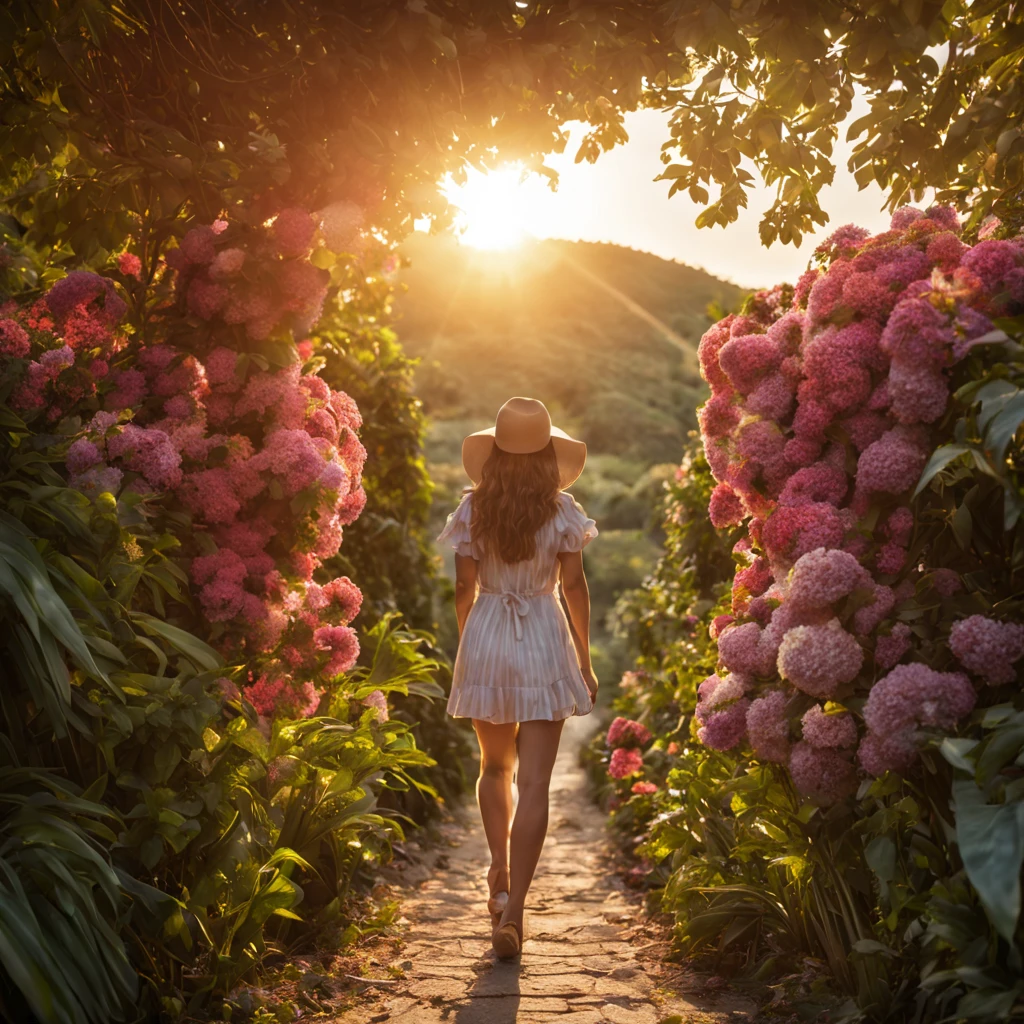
[[14, 340], [625, 762], [624, 732]]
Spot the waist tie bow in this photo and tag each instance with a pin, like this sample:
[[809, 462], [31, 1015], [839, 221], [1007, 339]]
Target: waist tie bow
[[519, 607], [517, 604]]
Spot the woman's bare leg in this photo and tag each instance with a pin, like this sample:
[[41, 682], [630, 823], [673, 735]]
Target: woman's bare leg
[[538, 746], [494, 795]]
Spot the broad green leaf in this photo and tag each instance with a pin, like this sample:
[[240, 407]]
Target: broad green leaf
[[201, 654], [991, 842], [940, 458], [1003, 427]]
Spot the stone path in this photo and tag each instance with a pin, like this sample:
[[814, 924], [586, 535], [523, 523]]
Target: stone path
[[578, 964]]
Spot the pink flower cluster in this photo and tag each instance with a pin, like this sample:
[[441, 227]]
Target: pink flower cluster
[[264, 288], [625, 762], [988, 647], [68, 337], [623, 732], [816, 430], [267, 462], [908, 698], [625, 736]]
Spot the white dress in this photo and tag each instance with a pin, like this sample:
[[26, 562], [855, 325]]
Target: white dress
[[516, 660]]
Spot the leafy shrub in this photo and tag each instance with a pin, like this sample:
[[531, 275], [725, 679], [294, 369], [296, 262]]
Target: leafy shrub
[[175, 478], [860, 430]]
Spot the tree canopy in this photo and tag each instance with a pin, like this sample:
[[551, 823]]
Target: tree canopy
[[111, 111]]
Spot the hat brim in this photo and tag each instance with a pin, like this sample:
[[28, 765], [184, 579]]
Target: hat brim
[[570, 453]]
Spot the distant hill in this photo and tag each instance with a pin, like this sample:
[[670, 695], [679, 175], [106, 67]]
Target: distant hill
[[606, 336]]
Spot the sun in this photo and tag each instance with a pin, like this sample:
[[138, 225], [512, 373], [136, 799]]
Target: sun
[[492, 208]]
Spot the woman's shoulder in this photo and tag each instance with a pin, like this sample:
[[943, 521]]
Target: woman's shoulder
[[575, 528], [457, 531], [567, 503], [465, 501]]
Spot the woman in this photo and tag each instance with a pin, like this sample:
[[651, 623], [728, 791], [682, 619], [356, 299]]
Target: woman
[[520, 671]]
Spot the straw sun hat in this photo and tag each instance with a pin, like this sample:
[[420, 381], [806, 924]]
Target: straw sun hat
[[523, 425]]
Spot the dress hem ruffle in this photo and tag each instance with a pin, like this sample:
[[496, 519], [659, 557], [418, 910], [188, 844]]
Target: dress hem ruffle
[[502, 705]]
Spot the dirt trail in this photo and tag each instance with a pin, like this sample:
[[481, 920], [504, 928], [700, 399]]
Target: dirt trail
[[579, 964]]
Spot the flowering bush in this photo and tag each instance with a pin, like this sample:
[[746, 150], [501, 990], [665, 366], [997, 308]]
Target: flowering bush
[[266, 461], [836, 743], [188, 473], [824, 400]]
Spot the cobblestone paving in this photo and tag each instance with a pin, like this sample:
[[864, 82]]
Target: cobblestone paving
[[578, 964]]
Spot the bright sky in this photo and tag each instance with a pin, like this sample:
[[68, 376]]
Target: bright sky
[[616, 200]]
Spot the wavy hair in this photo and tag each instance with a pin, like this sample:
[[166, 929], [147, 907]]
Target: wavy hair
[[516, 496]]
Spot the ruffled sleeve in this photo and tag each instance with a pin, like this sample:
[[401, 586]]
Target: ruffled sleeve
[[456, 531], [576, 530]]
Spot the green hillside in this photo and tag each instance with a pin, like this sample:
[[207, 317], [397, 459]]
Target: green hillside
[[605, 336]]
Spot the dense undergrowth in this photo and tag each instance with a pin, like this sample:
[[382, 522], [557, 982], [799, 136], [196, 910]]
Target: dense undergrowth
[[818, 761]]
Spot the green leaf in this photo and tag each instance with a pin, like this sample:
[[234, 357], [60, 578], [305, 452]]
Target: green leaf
[[955, 750], [991, 841], [940, 458], [201, 654], [1003, 427]]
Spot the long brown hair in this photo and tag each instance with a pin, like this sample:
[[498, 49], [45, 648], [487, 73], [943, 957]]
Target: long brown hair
[[516, 496]]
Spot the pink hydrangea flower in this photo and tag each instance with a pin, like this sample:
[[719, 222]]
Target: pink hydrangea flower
[[889, 649], [725, 508], [820, 660], [624, 732], [227, 263], [896, 752], [81, 288], [946, 582], [149, 452], [129, 390], [340, 224], [823, 576], [821, 774], [791, 531], [988, 647], [725, 729], [342, 644], [82, 454], [198, 245], [130, 265], [345, 595], [625, 762], [379, 703], [893, 463], [14, 340], [742, 649], [828, 730], [917, 695], [768, 727], [293, 230], [205, 298], [643, 788], [707, 353]]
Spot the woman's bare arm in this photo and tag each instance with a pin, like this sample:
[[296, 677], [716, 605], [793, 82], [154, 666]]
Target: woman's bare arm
[[465, 587], [577, 600]]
